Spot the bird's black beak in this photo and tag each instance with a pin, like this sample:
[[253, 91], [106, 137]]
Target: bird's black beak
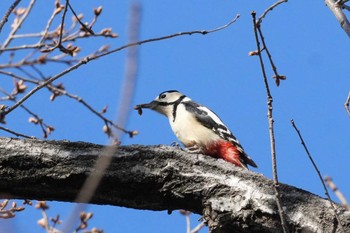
[[152, 105]]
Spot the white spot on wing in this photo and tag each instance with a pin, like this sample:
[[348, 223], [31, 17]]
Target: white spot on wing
[[212, 115], [221, 131]]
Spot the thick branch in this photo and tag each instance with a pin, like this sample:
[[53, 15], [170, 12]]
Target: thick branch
[[336, 8], [162, 178]]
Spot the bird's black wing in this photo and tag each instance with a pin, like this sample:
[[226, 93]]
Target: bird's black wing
[[205, 116]]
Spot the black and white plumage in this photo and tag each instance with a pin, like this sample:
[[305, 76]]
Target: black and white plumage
[[198, 128]]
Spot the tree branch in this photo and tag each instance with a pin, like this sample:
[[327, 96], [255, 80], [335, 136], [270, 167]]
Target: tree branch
[[18, 24], [90, 58], [273, 6], [271, 130], [336, 8], [318, 173], [162, 178], [346, 104], [7, 14]]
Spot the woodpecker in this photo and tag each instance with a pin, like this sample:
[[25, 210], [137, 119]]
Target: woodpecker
[[198, 128]]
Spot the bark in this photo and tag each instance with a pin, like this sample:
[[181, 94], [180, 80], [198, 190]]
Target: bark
[[337, 10], [162, 178]]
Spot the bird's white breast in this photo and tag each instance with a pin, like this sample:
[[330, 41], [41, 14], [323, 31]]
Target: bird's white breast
[[188, 130]]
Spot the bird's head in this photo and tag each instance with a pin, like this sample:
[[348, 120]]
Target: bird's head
[[163, 103]]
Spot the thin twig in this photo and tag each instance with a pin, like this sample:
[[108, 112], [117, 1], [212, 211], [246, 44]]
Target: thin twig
[[277, 76], [187, 214], [62, 22], [75, 97], [21, 47], [337, 192], [59, 43], [270, 9], [339, 14], [27, 35], [188, 223], [38, 120], [48, 25], [18, 25], [93, 180], [46, 221], [319, 175], [83, 102], [131, 66], [7, 14], [15, 133], [198, 227], [202, 32], [31, 78], [38, 61], [94, 57], [346, 104], [77, 18], [66, 39], [271, 130]]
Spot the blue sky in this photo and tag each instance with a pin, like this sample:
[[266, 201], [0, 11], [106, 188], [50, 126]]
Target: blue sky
[[307, 45]]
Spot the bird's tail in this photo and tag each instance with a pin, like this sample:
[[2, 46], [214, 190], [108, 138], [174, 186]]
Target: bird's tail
[[231, 153], [247, 160]]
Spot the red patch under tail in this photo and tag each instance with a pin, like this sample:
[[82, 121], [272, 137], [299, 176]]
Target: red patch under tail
[[226, 151]]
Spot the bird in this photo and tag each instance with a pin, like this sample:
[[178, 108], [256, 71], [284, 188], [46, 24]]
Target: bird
[[198, 128]]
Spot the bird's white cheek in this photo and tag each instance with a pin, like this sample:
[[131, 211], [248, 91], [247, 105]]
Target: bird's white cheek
[[164, 111]]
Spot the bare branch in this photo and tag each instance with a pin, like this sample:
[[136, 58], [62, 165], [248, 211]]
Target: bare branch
[[21, 47], [88, 106], [319, 175], [62, 22], [7, 14], [16, 133], [55, 12], [162, 178], [337, 192], [198, 228], [59, 91], [20, 87], [18, 24], [277, 76], [131, 66], [45, 128], [339, 14], [93, 180], [94, 57], [77, 18], [59, 43], [346, 104], [270, 9], [69, 38], [187, 214], [271, 130]]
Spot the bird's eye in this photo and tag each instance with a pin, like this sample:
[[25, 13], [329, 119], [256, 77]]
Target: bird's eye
[[162, 96]]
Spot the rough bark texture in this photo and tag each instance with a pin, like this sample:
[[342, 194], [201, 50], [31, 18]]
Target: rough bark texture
[[162, 178]]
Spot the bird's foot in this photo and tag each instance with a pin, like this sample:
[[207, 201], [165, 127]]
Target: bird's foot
[[177, 145], [193, 149]]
